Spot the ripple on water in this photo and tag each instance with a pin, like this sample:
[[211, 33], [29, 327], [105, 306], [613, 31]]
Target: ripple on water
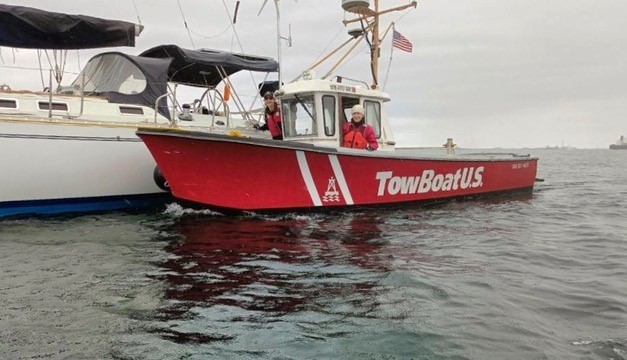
[[538, 277]]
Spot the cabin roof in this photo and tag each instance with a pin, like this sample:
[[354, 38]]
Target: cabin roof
[[331, 86]]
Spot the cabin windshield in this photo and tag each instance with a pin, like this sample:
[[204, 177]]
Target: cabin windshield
[[111, 72], [373, 116], [299, 116], [328, 114]]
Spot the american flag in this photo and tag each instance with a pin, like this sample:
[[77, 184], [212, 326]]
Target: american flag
[[401, 42]]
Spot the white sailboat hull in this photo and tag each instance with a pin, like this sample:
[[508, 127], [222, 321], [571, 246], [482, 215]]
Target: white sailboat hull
[[73, 166]]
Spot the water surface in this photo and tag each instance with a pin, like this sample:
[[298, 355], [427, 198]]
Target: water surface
[[535, 277]]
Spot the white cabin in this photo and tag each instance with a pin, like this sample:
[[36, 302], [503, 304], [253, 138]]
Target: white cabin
[[315, 110]]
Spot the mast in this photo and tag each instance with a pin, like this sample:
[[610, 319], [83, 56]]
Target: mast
[[376, 44], [372, 18], [279, 38]]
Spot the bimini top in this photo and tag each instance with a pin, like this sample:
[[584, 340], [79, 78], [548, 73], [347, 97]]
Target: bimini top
[[203, 67], [25, 27]]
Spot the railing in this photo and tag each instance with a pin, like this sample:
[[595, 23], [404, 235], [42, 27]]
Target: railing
[[340, 78], [49, 89], [172, 120], [215, 100], [82, 89], [212, 105], [223, 103]]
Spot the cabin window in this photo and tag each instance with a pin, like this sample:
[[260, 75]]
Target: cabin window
[[8, 104], [328, 113], [347, 104], [112, 72], [299, 116], [56, 106], [373, 116], [131, 110]]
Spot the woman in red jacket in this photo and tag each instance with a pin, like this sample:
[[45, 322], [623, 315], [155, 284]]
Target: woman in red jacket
[[272, 116], [357, 134]]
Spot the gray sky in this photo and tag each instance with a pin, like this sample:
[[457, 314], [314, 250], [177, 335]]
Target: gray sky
[[508, 73]]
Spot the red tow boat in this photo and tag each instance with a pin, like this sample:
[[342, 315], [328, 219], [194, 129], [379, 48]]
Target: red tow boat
[[225, 172], [310, 170]]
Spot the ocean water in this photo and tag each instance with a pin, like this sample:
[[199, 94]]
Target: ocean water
[[535, 277]]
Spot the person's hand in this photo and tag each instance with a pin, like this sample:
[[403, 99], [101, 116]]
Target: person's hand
[[369, 148]]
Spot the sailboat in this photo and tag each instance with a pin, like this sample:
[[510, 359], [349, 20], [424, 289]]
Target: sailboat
[[310, 169], [73, 148]]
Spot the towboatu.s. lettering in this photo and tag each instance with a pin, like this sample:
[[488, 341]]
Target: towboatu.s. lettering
[[468, 177]]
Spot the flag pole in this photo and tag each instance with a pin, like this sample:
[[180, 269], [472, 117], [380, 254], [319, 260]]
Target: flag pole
[[387, 73]]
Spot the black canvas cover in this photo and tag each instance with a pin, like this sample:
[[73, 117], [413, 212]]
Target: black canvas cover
[[25, 27], [105, 72], [199, 67]]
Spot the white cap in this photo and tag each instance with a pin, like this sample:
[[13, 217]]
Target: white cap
[[358, 109]]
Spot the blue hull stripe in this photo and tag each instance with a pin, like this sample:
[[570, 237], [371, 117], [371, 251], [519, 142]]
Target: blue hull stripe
[[83, 205]]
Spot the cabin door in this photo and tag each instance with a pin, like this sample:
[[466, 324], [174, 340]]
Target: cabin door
[[346, 106]]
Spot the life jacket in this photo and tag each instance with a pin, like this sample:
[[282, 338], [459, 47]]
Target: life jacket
[[354, 138]]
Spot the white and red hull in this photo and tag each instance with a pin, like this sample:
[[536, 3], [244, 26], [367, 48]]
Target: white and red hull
[[262, 175]]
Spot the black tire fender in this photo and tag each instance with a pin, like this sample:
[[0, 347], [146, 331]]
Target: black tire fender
[[160, 180]]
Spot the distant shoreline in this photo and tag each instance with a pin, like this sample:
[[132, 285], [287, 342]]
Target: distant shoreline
[[498, 148]]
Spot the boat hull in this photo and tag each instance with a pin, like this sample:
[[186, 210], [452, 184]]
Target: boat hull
[[618, 147], [258, 175], [52, 169]]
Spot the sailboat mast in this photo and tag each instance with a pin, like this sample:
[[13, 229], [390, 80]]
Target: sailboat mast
[[278, 38]]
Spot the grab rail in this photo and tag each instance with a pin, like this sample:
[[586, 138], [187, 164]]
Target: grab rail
[[157, 107]]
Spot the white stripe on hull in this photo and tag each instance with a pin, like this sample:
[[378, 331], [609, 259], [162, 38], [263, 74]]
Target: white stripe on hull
[[341, 181], [309, 182]]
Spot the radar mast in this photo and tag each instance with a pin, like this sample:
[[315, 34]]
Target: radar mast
[[369, 20]]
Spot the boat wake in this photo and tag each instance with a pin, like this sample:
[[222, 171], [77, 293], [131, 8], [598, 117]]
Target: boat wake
[[611, 349], [176, 210], [277, 217]]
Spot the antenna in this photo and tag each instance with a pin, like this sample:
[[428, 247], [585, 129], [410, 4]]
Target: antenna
[[288, 39], [262, 6], [278, 33], [235, 13]]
